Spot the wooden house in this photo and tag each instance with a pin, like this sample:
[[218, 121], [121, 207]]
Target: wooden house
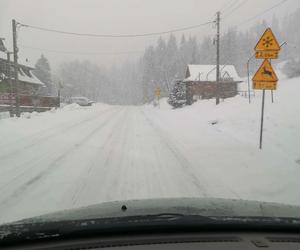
[[201, 82]]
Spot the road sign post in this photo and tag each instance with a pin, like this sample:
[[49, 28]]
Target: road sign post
[[262, 119], [157, 94], [265, 78]]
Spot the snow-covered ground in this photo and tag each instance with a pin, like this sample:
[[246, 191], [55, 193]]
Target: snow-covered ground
[[77, 156]]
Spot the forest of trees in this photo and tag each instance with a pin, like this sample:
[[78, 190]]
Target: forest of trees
[[166, 61]]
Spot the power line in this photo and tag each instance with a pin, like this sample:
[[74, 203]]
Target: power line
[[236, 8], [116, 35], [262, 13], [82, 53], [230, 5]]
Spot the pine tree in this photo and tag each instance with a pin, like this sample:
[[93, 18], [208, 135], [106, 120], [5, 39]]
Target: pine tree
[[43, 73], [177, 97]]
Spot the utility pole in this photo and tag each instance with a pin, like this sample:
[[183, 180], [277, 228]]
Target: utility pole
[[10, 84], [16, 67], [218, 60]]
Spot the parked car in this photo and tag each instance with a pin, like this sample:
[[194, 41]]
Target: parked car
[[82, 101]]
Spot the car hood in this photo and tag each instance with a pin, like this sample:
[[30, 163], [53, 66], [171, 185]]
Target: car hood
[[185, 206]]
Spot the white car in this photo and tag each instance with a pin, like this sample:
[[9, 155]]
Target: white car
[[82, 101]]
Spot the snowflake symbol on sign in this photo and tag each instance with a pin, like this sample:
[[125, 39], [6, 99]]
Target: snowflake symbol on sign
[[268, 41]]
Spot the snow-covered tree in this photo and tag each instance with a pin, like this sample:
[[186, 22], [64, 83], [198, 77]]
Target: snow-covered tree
[[177, 97], [43, 73]]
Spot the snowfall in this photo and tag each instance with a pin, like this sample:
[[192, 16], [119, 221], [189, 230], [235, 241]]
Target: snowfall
[[77, 156]]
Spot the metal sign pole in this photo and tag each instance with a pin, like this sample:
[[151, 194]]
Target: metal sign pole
[[272, 96], [249, 98], [262, 119]]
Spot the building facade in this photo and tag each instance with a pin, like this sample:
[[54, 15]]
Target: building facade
[[201, 82]]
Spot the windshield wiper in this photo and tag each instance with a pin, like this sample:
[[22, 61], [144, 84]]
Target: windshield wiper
[[138, 224], [40, 230]]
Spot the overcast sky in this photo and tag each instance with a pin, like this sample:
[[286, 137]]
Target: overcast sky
[[117, 17]]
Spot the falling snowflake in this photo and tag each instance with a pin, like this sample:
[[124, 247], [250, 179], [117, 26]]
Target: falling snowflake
[[267, 42]]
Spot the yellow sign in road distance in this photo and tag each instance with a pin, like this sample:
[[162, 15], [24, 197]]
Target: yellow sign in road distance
[[265, 77], [269, 54], [157, 92], [267, 47], [265, 85], [267, 41], [265, 73]]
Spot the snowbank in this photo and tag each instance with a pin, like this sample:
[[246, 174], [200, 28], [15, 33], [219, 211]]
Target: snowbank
[[224, 140]]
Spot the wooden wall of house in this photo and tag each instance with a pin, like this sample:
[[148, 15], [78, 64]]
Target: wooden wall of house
[[24, 88], [208, 90]]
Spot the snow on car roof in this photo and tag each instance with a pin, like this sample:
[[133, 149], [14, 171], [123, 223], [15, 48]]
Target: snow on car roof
[[208, 72], [79, 97]]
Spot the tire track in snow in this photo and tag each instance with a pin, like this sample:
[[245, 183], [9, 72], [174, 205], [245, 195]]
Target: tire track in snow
[[116, 180], [176, 150], [182, 160], [35, 135], [109, 142], [50, 168], [42, 139], [46, 154]]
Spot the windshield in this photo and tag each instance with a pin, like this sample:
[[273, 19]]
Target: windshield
[[104, 101]]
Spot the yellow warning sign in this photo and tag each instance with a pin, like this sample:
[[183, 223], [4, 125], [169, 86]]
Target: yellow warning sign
[[265, 85], [157, 92], [265, 73], [266, 54], [267, 41]]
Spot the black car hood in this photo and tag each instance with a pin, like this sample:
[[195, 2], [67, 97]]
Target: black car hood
[[186, 206]]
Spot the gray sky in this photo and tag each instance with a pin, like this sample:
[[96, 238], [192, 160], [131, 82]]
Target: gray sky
[[117, 17]]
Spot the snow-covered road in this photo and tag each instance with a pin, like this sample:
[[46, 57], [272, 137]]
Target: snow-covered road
[[114, 153], [75, 157]]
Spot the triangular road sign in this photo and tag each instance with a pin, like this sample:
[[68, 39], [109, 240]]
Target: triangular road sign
[[265, 73], [267, 41]]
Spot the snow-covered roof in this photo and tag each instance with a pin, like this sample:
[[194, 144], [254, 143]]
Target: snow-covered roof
[[21, 61], [29, 77], [26, 63], [197, 72]]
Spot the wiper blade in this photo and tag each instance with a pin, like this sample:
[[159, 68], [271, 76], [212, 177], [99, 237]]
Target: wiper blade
[[39, 230], [279, 221], [163, 221]]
